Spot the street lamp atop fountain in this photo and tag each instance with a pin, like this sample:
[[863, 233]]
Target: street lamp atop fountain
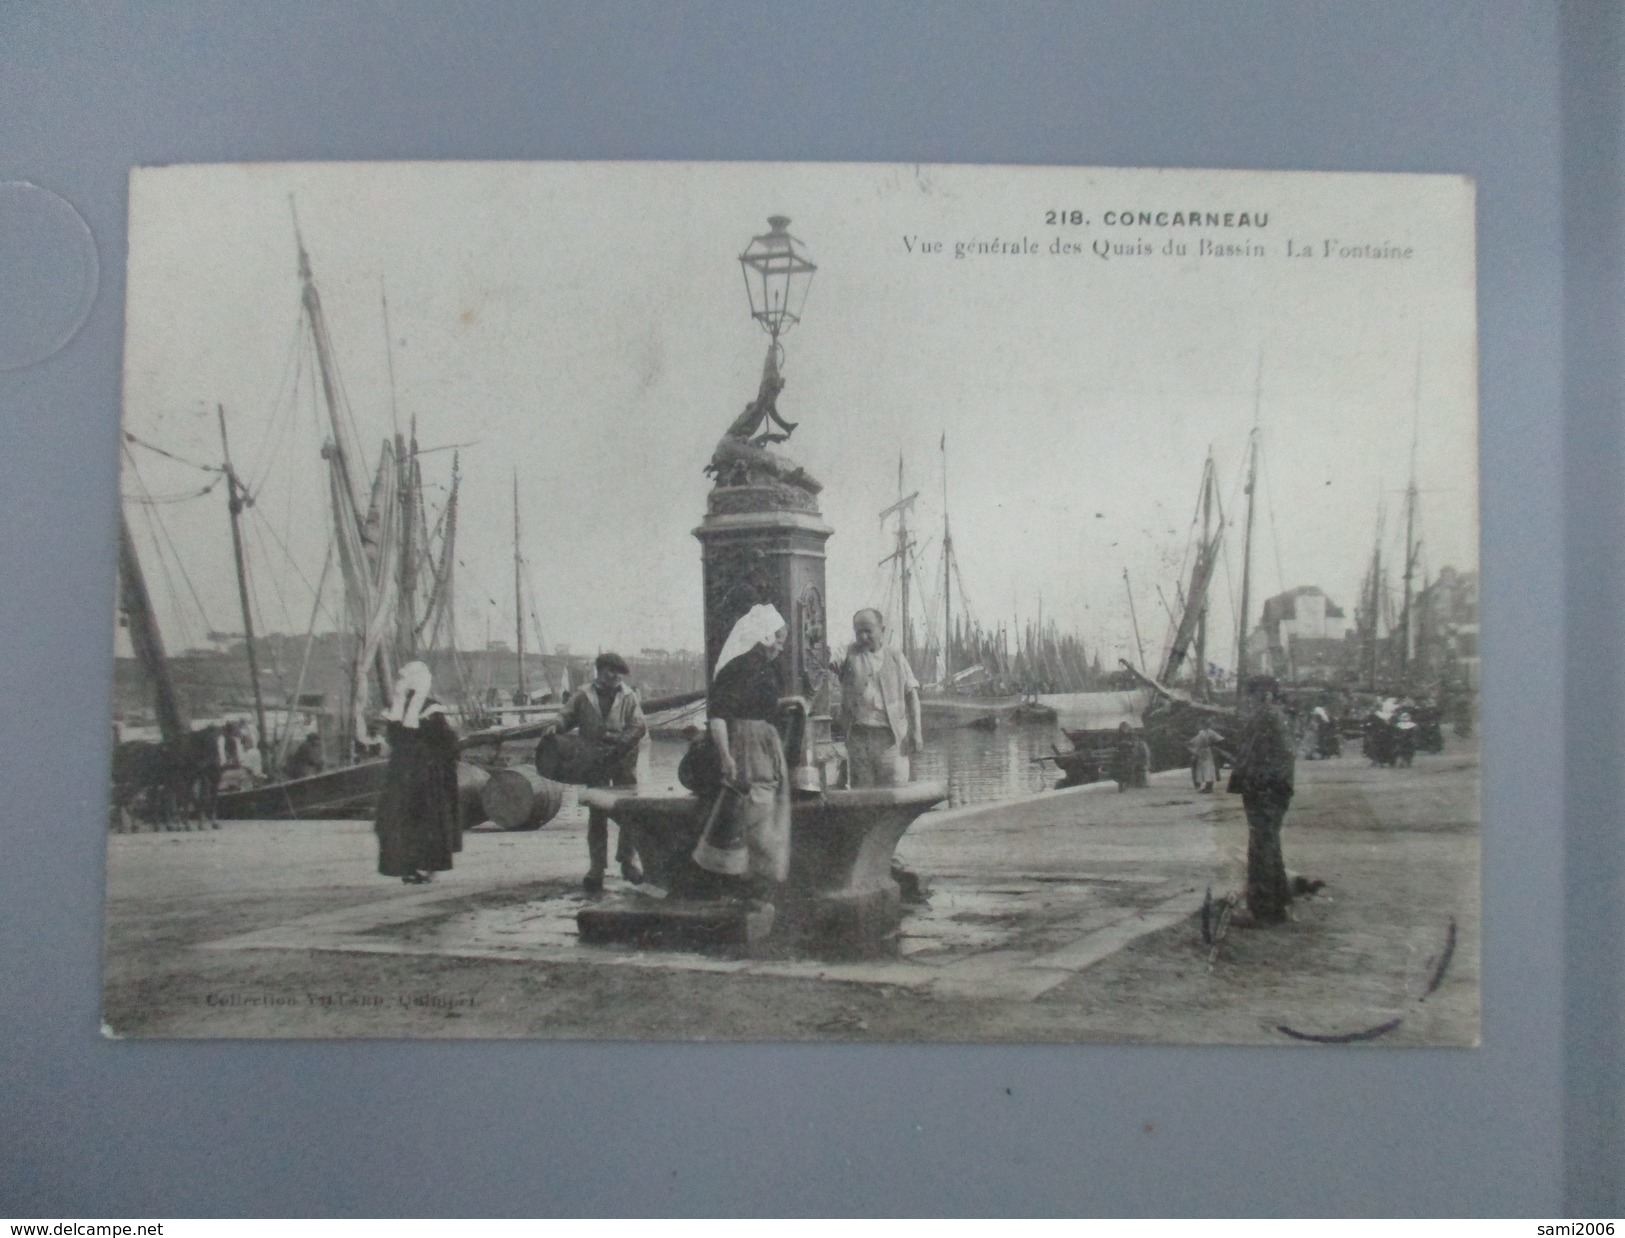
[[778, 275], [750, 475], [762, 536]]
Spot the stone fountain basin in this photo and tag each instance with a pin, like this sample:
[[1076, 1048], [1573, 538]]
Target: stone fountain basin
[[840, 889]]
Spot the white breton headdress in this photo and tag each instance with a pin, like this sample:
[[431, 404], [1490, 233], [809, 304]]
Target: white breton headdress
[[756, 627]]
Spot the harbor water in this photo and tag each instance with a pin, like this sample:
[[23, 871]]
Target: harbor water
[[979, 766]]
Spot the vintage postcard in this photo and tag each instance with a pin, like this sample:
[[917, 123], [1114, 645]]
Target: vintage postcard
[[796, 601]]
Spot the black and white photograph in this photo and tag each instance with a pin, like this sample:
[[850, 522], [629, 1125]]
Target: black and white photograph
[[762, 602]]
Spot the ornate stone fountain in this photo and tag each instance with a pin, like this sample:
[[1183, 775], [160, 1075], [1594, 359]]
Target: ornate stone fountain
[[762, 540]]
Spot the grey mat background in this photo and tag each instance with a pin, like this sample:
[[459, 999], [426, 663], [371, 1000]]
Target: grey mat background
[[1523, 97]]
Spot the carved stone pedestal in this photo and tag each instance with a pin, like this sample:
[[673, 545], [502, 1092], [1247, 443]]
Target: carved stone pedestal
[[840, 895], [775, 556]]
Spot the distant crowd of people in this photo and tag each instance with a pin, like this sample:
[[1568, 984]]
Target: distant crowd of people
[[1396, 730]]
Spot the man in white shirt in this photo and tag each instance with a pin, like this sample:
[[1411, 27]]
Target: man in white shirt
[[252, 759], [880, 704]]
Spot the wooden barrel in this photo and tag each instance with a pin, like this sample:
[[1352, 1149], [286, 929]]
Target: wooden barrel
[[471, 780], [518, 798], [570, 758]]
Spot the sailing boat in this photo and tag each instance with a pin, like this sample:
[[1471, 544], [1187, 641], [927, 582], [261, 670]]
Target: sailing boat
[[1368, 615], [959, 689], [1392, 665], [341, 792], [1169, 711], [385, 553]]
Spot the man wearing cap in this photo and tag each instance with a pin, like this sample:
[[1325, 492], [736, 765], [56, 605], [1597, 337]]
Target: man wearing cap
[[1264, 776], [880, 705], [608, 714]]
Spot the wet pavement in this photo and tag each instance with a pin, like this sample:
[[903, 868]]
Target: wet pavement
[[1060, 896], [1022, 895]]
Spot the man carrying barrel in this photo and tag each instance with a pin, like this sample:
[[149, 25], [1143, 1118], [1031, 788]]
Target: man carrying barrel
[[609, 717]]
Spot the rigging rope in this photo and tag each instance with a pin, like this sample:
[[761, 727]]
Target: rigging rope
[[345, 408], [207, 468], [160, 500], [258, 611], [535, 620], [253, 594], [304, 665], [292, 363], [294, 563], [1229, 579], [157, 528], [1180, 576], [1275, 535]]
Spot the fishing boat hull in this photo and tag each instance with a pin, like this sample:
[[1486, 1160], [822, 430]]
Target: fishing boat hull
[[947, 713], [1168, 737], [350, 791], [1034, 713], [1084, 764]]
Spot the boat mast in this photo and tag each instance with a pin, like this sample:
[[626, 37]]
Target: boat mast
[[312, 300], [518, 603], [406, 451], [1410, 535], [146, 639], [409, 484], [1374, 604], [1246, 567], [347, 508], [901, 508], [237, 498], [440, 615], [1206, 554], [1134, 619], [1192, 617], [947, 573], [902, 559]]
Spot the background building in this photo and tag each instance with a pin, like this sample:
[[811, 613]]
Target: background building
[[1302, 636]]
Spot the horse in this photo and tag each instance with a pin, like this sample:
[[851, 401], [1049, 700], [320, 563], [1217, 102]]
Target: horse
[[168, 785], [147, 783], [200, 767]]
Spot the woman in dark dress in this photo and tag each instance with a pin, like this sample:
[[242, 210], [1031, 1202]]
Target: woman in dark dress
[[417, 825], [748, 834]]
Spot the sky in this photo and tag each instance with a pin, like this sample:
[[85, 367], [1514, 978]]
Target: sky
[[586, 326]]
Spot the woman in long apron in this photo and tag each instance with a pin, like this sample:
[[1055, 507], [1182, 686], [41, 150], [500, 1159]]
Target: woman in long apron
[[1204, 767], [747, 835], [417, 823]]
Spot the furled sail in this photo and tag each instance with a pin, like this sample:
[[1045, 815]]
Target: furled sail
[[1201, 576], [377, 626], [367, 561]]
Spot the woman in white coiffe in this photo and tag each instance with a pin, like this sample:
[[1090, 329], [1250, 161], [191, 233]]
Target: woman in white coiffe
[[749, 836], [417, 825]]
